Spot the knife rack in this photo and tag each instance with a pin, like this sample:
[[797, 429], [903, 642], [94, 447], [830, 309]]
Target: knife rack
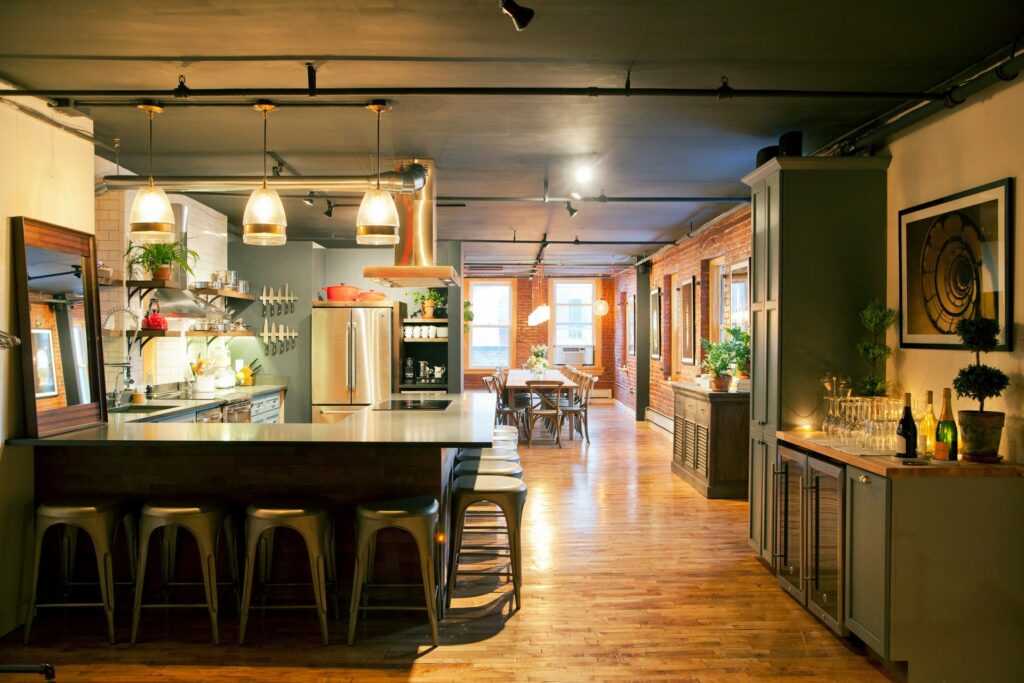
[[277, 301]]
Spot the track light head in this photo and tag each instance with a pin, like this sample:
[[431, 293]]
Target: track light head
[[576, 194], [308, 201], [521, 16], [329, 211], [571, 210]]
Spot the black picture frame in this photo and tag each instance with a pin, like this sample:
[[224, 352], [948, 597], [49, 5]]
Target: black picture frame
[[956, 259], [688, 321], [656, 323], [631, 325]]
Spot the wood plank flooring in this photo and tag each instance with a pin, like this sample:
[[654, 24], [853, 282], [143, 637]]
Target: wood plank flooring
[[629, 574]]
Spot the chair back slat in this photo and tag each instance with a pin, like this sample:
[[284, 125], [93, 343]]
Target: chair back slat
[[489, 383], [544, 395]]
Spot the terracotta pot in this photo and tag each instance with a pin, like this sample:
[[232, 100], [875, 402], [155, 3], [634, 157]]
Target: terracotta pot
[[980, 432], [428, 309], [720, 382], [162, 273]]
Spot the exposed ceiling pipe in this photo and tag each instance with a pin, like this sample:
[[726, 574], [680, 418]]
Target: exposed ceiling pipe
[[110, 97], [410, 179], [599, 199], [1006, 70], [574, 242]]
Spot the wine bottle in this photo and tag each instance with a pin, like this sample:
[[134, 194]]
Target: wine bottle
[[906, 432], [945, 433], [926, 429]]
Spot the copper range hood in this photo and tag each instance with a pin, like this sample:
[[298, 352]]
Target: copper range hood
[[414, 253]]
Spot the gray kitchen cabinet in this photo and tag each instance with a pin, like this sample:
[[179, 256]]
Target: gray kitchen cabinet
[[761, 494], [709, 449], [868, 506]]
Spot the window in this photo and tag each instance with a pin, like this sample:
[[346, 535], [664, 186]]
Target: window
[[574, 331], [490, 338]]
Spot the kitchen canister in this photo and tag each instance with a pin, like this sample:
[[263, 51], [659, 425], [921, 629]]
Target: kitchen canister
[[442, 332]]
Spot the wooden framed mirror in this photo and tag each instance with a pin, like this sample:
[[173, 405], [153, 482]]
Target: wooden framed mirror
[[58, 314]]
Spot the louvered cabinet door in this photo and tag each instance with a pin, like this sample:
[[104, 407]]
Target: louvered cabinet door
[[701, 450], [689, 444]]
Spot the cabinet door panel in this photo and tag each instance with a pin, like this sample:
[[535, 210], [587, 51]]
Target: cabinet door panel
[[772, 239], [759, 367], [759, 246], [771, 371], [867, 558], [755, 494]]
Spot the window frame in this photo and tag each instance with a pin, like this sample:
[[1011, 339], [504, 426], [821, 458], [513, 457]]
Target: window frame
[[467, 350], [597, 322]]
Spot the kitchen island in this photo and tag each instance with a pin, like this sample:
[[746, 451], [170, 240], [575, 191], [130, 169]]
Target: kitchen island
[[372, 454]]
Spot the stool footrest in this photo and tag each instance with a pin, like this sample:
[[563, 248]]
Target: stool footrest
[[384, 608], [483, 573], [56, 605], [176, 605], [254, 607]]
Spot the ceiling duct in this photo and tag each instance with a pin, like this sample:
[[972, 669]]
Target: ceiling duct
[[411, 178], [417, 240]]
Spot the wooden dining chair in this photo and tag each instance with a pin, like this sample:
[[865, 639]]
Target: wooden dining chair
[[544, 405], [576, 413], [504, 413]]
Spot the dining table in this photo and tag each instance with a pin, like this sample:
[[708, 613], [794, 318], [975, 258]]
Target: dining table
[[516, 383]]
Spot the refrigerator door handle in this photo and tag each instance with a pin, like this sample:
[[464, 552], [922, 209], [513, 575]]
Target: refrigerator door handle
[[348, 354], [352, 346]]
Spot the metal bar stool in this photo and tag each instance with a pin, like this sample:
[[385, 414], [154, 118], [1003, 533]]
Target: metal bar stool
[[509, 494], [418, 516], [486, 454], [314, 525], [100, 521], [205, 521], [501, 468]]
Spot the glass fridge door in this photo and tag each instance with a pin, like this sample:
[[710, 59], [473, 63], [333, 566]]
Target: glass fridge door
[[825, 542], [789, 521]]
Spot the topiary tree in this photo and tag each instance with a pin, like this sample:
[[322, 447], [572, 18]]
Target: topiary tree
[[876, 318], [977, 381]]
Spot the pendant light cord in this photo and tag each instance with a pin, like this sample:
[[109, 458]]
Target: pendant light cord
[[378, 149], [150, 149], [264, 148]]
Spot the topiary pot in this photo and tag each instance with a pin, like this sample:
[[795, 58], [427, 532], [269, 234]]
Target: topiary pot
[[720, 382], [428, 309], [980, 434]]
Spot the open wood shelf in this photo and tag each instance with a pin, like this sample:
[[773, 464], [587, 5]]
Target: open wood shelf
[[226, 293], [109, 281], [424, 385], [425, 320], [141, 333], [437, 340]]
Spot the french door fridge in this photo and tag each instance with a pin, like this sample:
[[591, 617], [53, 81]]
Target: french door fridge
[[351, 360]]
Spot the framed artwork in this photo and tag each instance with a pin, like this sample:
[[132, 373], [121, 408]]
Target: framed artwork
[[656, 323], [45, 365], [956, 261], [687, 322], [631, 325]]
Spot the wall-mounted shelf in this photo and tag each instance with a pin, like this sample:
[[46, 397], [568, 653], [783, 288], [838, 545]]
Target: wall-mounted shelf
[[425, 321], [109, 281], [144, 336], [427, 386], [144, 287], [437, 340], [212, 295]]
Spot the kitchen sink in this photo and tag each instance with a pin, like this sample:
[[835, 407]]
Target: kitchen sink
[[138, 408]]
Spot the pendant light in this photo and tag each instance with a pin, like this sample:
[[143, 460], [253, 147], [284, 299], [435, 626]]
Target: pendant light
[[264, 223], [600, 307], [377, 221], [151, 218]]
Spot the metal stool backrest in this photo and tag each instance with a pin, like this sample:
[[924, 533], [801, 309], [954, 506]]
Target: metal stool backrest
[[544, 395]]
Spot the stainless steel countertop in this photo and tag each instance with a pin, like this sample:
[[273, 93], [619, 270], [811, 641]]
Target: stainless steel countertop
[[179, 406], [468, 423]]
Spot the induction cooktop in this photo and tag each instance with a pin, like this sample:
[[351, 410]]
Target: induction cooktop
[[413, 404]]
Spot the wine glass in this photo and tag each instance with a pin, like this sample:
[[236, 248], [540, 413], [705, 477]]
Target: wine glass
[[828, 382]]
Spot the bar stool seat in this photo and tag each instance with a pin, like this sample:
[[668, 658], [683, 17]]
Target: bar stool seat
[[315, 527], [418, 516], [205, 520], [509, 494], [487, 454], [504, 468], [99, 520]]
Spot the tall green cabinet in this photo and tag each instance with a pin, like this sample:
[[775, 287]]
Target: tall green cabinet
[[818, 259]]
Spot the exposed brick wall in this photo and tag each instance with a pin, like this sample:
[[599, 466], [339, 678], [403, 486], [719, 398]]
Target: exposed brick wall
[[729, 239], [531, 293]]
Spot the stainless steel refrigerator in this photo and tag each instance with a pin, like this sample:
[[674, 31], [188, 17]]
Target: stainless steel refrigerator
[[352, 359]]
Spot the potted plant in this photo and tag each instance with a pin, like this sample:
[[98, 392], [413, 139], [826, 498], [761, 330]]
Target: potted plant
[[157, 259], [467, 315], [739, 344], [537, 363], [876, 318], [428, 302], [717, 360], [981, 430]]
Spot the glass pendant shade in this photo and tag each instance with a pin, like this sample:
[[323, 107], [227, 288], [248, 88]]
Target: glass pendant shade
[[264, 222], [377, 221], [151, 217], [600, 307]]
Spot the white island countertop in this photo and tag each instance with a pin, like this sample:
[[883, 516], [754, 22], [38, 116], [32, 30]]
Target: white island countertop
[[467, 422]]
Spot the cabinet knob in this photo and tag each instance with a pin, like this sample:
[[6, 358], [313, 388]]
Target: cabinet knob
[[864, 479]]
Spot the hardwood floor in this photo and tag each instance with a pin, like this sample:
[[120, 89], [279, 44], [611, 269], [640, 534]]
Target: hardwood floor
[[629, 574]]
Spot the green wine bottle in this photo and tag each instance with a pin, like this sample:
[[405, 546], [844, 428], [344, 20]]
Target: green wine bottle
[[945, 433]]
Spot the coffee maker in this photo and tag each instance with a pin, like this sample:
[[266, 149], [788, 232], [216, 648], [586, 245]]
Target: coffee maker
[[409, 373]]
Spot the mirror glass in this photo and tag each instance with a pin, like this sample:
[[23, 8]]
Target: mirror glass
[[58, 315]]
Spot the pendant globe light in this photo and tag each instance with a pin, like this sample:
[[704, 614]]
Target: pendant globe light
[[151, 218], [377, 221], [264, 222]]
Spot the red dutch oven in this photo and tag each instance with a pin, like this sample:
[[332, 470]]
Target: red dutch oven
[[341, 292]]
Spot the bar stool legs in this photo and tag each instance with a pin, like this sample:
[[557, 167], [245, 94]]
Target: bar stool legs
[[100, 523], [315, 527], [418, 517]]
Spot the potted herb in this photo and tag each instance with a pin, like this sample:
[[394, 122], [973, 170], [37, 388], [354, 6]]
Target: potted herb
[[718, 358], [981, 429], [467, 315], [876, 318], [739, 344], [429, 301], [157, 259]]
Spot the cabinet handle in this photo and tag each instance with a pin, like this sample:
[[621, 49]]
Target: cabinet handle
[[864, 479]]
